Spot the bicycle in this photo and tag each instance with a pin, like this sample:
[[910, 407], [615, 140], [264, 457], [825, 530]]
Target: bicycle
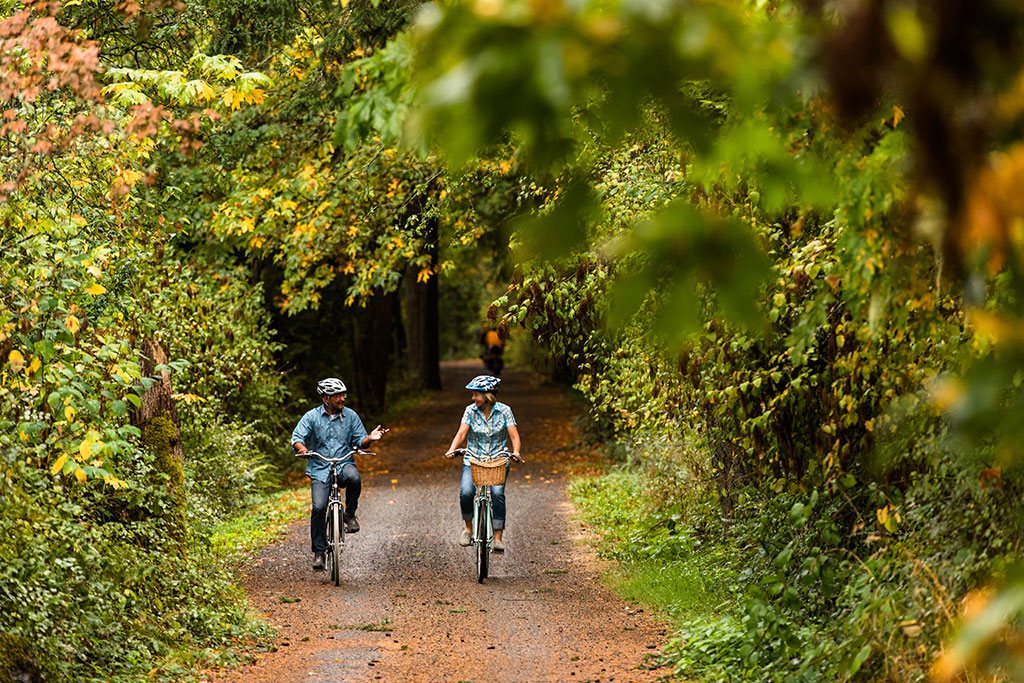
[[487, 471], [335, 512], [493, 361]]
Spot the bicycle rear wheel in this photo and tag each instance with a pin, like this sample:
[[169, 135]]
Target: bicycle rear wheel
[[483, 548], [336, 538]]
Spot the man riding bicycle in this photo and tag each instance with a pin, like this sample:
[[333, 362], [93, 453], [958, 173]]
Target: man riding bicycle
[[334, 431]]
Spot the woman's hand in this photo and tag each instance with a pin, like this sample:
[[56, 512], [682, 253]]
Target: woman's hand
[[449, 454]]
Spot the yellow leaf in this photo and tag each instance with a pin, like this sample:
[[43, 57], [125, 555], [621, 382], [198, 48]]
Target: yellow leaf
[[73, 324], [423, 275], [16, 360], [69, 413], [95, 289], [888, 517], [90, 447], [80, 475], [189, 398], [882, 514], [233, 98], [59, 465], [35, 364], [897, 115]]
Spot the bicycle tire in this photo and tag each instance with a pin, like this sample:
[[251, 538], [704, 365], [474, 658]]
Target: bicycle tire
[[337, 528], [482, 546]]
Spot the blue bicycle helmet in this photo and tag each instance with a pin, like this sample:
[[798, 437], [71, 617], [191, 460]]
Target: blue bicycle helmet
[[483, 383]]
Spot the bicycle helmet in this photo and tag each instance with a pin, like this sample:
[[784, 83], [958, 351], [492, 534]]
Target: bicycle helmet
[[483, 383], [330, 386]]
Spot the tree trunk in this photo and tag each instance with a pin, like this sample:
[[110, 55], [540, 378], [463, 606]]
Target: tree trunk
[[157, 419], [421, 314], [371, 350]]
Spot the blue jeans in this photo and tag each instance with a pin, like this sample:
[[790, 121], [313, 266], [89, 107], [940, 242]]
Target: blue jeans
[[466, 492], [348, 478]]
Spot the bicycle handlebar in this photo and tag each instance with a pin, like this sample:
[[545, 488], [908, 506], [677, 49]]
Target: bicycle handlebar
[[485, 458], [355, 451]]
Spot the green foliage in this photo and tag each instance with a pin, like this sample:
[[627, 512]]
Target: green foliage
[[785, 591], [375, 94], [101, 579], [98, 589], [226, 462], [743, 275]]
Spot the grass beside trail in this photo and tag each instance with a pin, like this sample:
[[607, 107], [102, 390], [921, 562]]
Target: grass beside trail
[[263, 523], [660, 563]]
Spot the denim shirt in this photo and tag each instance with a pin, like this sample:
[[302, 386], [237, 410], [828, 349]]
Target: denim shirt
[[487, 436], [330, 436]]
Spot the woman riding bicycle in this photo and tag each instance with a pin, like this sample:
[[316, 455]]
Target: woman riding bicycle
[[489, 426]]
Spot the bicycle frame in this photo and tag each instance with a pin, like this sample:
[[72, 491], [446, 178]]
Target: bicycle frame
[[482, 532], [482, 505], [335, 512], [335, 504]]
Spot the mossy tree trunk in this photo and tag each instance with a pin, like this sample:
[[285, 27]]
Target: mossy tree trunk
[[157, 418], [18, 662]]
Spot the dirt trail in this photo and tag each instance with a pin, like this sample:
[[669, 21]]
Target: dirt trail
[[409, 607]]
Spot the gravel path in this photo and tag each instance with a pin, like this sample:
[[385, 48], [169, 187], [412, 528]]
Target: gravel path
[[409, 607]]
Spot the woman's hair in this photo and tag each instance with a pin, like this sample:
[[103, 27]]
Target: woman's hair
[[490, 398]]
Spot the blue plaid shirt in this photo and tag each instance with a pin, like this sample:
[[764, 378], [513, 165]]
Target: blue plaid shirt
[[487, 436], [332, 436]]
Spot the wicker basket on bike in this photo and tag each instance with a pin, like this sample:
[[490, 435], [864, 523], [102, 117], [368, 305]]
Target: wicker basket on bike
[[488, 471]]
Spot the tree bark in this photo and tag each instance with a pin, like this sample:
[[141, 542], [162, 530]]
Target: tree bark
[[157, 419], [421, 314], [371, 347]]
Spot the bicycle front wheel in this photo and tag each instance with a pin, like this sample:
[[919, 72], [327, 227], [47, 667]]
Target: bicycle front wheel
[[336, 529], [483, 546]]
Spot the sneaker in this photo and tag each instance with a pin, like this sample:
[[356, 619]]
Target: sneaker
[[351, 524], [498, 546], [464, 539], [318, 562]]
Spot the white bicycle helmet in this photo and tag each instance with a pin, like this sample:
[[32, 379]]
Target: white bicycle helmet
[[330, 386]]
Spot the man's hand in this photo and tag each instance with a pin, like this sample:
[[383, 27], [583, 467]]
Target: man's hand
[[449, 454], [377, 432]]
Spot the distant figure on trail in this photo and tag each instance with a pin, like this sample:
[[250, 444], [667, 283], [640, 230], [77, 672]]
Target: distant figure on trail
[[487, 426], [493, 348], [333, 431]]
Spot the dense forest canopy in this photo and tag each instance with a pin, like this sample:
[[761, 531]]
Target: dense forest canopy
[[776, 246]]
